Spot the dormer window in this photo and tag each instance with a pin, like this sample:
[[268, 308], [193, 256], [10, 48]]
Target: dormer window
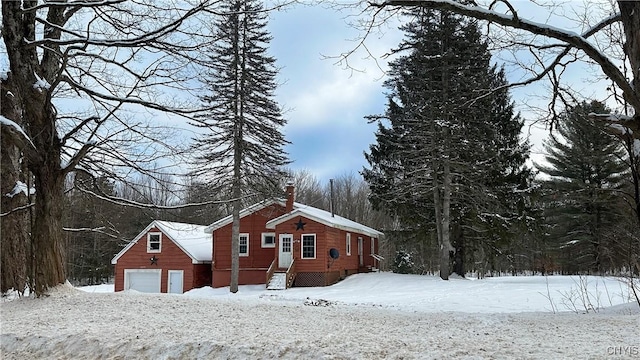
[[154, 242]]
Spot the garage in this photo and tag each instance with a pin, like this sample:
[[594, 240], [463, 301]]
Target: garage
[[143, 280]]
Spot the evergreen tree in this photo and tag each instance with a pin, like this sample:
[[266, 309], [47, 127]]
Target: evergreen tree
[[583, 197], [241, 151], [446, 150]]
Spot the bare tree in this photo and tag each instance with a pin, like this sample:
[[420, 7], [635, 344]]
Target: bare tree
[[81, 77], [616, 53], [308, 189]]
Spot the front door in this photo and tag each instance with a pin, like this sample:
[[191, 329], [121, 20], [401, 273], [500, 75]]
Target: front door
[[175, 281], [285, 254]]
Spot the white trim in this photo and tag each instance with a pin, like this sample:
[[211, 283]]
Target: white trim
[[149, 242], [318, 215], [265, 245], [169, 280], [158, 225], [127, 273], [240, 236], [135, 240], [373, 245], [348, 244], [289, 259], [244, 212], [315, 247]]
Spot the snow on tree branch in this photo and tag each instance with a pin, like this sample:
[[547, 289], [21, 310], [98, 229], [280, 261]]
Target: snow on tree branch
[[15, 128], [573, 39]]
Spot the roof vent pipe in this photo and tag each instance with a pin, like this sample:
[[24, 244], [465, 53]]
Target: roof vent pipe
[[331, 196]]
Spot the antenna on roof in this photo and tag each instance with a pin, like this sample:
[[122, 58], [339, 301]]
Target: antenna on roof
[[331, 196]]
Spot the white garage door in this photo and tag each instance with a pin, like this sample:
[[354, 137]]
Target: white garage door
[[143, 280]]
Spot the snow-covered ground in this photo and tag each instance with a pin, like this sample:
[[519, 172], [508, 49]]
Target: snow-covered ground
[[366, 316]]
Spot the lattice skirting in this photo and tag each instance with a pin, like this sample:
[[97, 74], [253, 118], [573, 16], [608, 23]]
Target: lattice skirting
[[316, 279]]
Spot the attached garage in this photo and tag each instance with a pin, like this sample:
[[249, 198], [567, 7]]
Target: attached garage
[[166, 257], [143, 280]]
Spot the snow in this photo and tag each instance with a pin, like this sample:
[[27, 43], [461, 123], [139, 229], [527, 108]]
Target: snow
[[621, 129], [299, 209], [20, 187], [18, 128], [611, 117], [366, 316], [40, 83], [192, 239], [324, 217]]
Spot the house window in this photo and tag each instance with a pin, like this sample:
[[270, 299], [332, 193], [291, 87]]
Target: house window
[[268, 240], [154, 242], [373, 245], [244, 245], [348, 244], [309, 246]]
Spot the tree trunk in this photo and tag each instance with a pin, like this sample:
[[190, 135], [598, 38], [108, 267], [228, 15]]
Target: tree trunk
[[458, 241], [42, 155], [445, 247], [14, 227], [630, 13], [45, 165], [235, 244], [48, 268]]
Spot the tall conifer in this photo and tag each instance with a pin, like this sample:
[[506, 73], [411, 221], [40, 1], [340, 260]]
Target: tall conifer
[[586, 173], [446, 147], [242, 148]]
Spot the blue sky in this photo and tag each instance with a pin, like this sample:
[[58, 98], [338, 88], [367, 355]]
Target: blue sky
[[325, 103]]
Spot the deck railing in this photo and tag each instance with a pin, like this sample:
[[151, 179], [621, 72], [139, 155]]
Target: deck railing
[[378, 258], [291, 273], [270, 271]]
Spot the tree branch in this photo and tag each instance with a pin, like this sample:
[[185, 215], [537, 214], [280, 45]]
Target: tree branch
[[572, 39]]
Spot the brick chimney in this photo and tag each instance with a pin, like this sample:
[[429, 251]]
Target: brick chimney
[[290, 197]]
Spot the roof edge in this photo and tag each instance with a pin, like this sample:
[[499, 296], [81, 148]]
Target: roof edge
[[244, 212], [271, 224]]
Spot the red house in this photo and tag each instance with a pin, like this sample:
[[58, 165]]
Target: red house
[[165, 257], [283, 244]]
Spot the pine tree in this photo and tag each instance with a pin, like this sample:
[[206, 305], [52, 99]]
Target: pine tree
[[587, 172], [241, 151], [445, 147]]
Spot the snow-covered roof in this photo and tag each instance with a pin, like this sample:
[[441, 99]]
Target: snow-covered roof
[[323, 217], [192, 239], [244, 212]]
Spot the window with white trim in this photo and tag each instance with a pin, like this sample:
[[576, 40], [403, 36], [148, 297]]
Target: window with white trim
[[268, 240], [348, 244], [308, 246], [243, 242], [373, 245], [154, 242]]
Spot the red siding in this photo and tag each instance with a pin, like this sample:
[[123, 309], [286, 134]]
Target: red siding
[[171, 257], [222, 278], [259, 258], [253, 268], [326, 238], [319, 264]]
